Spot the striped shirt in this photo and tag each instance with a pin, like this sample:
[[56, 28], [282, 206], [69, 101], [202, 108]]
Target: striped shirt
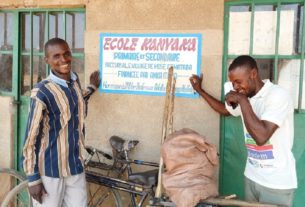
[[54, 135]]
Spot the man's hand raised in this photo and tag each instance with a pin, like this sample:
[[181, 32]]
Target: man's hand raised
[[233, 98], [196, 82], [95, 79]]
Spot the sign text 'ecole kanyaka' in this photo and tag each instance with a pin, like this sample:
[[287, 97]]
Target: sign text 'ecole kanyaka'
[[138, 63]]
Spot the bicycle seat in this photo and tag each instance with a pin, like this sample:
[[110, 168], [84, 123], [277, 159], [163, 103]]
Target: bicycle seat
[[119, 144], [147, 178]]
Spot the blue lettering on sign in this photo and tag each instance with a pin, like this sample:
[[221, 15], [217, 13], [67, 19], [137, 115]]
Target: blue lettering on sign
[[128, 74], [125, 56], [156, 75], [175, 57]]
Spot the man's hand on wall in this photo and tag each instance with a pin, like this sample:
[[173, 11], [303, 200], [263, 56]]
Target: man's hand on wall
[[196, 82], [95, 79]]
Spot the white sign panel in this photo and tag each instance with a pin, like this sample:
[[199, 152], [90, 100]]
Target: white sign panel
[[138, 63]]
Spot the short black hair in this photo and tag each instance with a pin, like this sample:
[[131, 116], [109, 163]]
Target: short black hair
[[53, 41], [243, 60]]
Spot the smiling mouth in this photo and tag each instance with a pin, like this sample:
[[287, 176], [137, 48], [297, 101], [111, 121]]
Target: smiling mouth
[[241, 91], [66, 66]]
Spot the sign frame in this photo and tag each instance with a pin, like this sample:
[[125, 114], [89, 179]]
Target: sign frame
[[197, 68]]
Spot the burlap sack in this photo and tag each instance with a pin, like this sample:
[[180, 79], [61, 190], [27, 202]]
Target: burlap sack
[[190, 168]]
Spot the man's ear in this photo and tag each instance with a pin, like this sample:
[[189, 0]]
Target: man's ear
[[46, 60], [253, 73]]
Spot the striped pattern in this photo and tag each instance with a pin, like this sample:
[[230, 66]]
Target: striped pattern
[[55, 130]]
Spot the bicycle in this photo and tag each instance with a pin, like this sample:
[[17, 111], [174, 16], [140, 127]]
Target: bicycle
[[105, 180], [14, 191], [141, 185], [138, 185]]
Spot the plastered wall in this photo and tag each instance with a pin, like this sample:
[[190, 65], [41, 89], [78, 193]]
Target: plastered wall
[[42, 3], [6, 140], [6, 132], [138, 116]]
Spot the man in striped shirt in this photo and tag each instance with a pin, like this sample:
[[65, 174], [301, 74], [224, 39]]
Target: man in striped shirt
[[52, 153]]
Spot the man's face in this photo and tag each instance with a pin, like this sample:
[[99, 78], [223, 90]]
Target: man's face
[[243, 80], [59, 58]]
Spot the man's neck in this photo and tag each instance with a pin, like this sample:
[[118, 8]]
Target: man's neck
[[66, 77], [260, 85]]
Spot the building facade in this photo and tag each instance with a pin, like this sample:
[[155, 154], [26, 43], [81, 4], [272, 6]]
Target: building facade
[[271, 31]]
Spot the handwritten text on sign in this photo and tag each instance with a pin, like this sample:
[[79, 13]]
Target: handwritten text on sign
[[138, 63]]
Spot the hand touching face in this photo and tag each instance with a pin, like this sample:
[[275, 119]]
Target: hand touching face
[[244, 80], [233, 98]]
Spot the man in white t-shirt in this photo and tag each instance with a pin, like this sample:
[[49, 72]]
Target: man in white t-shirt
[[267, 114]]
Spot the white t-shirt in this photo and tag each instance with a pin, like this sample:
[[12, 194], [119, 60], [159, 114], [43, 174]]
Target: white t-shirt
[[273, 164]]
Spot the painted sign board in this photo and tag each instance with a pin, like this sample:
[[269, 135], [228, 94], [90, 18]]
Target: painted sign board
[[138, 63]]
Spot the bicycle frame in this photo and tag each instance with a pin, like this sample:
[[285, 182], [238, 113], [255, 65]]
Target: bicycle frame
[[119, 184], [121, 164]]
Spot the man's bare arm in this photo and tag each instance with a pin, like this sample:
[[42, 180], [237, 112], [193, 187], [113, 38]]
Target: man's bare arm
[[215, 104], [260, 130]]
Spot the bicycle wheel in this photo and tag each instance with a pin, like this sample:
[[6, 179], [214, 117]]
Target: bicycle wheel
[[10, 179], [101, 196]]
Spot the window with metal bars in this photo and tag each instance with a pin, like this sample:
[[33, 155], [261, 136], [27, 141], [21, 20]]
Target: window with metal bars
[[32, 28], [6, 51], [271, 31]]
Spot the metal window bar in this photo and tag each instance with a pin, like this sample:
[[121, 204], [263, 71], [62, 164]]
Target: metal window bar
[[56, 25], [298, 29], [278, 25], [73, 30], [64, 25], [42, 30], [301, 63], [47, 35], [4, 52], [252, 7], [16, 81], [31, 50], [5, 30]]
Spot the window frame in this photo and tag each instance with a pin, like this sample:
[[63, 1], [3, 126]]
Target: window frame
[[17, 49], [13, 53], [276, 56]]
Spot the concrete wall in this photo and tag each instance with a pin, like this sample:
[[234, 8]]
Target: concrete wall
[[6, 132], [42, 3], [140, 117], [136, 116], [6, 141]]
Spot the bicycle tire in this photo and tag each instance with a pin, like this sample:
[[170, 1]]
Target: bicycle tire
[[102, 196], [10, 180]]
